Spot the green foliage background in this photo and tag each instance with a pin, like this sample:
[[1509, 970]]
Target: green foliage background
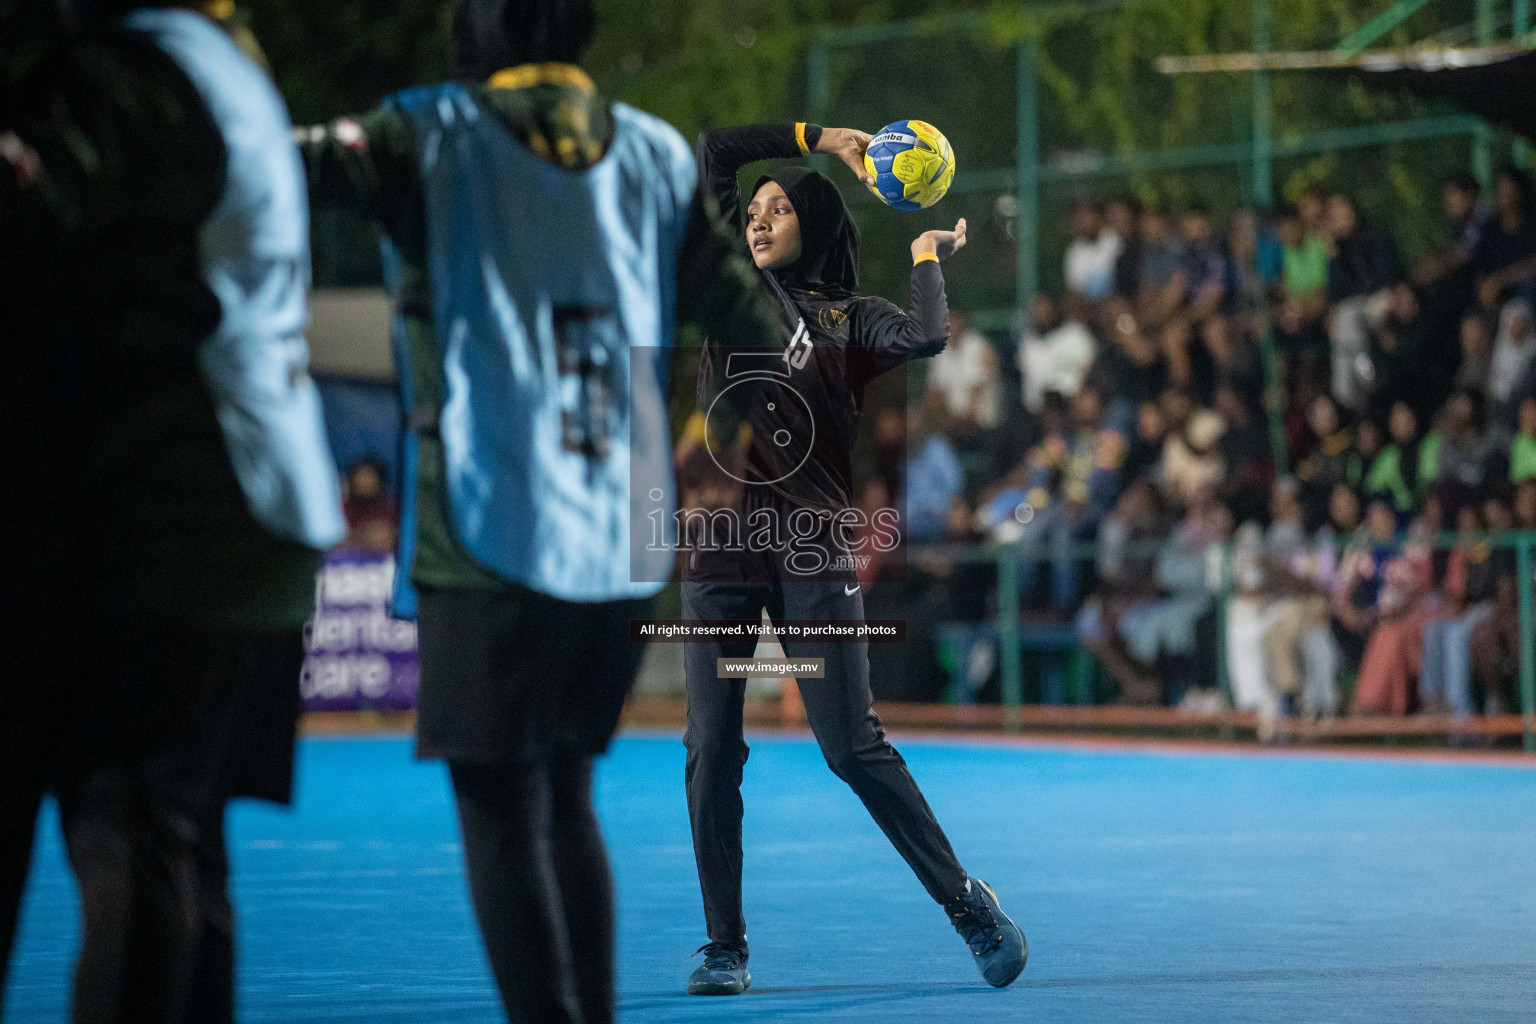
[[701, 63]]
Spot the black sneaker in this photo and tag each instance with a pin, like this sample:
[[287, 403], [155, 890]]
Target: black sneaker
[[723, 972], [997, 943]]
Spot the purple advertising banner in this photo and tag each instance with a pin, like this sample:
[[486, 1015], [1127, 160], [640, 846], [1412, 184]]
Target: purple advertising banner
[[358, 657]]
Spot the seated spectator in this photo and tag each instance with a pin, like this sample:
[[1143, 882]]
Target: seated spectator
[[1126, 373], [1522, 456], [1467, 213], [1280, 647], [1145, 448], [1390, 468], [881, 560], [1157, 628], [1390, 664], [1257, 258], [1056, 353], [965, 373], [1192, 462], [1396, 351], [1466, 216], [1463, 453], [1466, 594], [1089, 264], [1123, 216], [1504, 257], [1361, 273], [1126, 591], [1362, 452], [1495, 641], [1352, 605], [1304, 281], [1072, 480], [1300, 653], [1248, 616], [1312, 207], [1246, 453], [373, 517], [1176, 405], [1513, 353], [1166, 634], [933, 479], [1004, 508], [1162, 275], [1207, 277], [1326, 456], [890, 458], [1343, 512], [1476, 355]]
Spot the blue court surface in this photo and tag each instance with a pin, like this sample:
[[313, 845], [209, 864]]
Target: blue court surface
[[1183, 887]]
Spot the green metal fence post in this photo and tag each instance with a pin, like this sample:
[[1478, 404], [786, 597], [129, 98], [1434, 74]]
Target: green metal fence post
[[818, 89], [1356, 42], [1482, 139], [1263, 190], [1027, 175], [1520, 18], [1264, 196], [1527, 640], [1223, 598], [1008, 634]]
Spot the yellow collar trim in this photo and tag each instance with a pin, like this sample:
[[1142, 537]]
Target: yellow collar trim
[[218, 10], [524, 75]]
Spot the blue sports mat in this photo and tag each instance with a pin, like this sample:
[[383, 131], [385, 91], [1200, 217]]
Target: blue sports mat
[[1153, 887]]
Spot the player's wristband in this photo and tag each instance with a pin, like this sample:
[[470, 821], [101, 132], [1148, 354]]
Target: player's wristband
[[920, 257]]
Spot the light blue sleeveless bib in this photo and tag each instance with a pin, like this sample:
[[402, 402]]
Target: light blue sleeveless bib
[[254, 252], [553, 310]]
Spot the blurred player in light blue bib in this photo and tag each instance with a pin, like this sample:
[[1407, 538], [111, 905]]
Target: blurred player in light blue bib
[[543, 245]]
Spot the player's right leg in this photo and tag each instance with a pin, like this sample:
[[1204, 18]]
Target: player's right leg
[[505, 810], [717, 753], [840, 710]]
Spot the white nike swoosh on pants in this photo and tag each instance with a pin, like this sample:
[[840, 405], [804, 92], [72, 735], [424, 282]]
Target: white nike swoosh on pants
[[850, 591]]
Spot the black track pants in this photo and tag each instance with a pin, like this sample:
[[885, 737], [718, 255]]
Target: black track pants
[[839, 709]]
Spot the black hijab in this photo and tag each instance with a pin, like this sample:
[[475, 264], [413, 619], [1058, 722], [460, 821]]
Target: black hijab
[[829, 241], [489, 35]]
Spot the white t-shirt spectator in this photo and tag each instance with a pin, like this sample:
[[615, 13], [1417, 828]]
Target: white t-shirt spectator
[[1090, 264], [964, 371], [1056, 361]]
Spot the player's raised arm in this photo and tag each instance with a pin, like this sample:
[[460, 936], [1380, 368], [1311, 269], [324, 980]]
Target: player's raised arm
[[890, 336], [724, 151]]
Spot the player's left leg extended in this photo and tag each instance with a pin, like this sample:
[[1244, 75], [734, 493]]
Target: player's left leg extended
[[840, 710]]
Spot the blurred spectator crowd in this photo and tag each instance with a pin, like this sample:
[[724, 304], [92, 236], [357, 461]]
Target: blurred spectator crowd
[[1123, 435]]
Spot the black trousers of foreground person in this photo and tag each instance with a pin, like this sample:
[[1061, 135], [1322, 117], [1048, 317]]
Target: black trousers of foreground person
[[180, 721], [519, 693]]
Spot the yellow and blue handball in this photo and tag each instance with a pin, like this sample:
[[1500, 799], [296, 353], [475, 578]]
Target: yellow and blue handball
[[912, 164]]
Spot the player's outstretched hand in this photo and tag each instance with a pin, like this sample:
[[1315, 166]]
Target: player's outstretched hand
[[848, 145], [943, 244]]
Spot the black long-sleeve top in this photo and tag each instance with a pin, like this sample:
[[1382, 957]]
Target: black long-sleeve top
[[805, 419]]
